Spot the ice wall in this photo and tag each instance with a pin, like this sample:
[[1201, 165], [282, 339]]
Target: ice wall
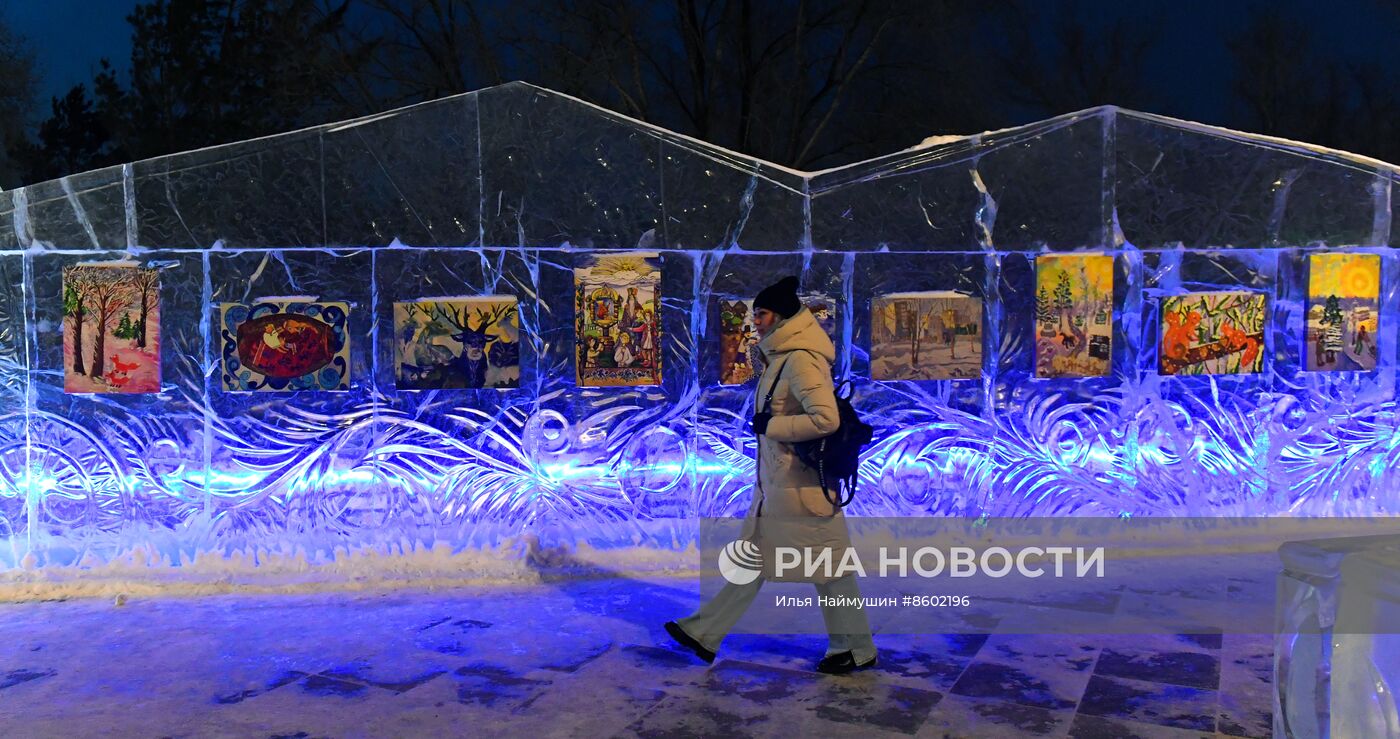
[[497, 191]]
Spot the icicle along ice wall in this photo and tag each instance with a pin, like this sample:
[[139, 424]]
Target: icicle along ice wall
[[505, 191]]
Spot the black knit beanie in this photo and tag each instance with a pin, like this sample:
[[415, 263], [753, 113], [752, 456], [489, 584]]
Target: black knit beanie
[[780, 297]]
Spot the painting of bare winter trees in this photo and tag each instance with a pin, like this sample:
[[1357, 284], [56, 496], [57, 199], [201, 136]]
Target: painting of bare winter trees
[[111, 329], [926, 336], [457, 343], [1073, 315]]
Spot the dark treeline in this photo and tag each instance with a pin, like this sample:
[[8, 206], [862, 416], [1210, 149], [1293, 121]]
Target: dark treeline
[[806, 83]]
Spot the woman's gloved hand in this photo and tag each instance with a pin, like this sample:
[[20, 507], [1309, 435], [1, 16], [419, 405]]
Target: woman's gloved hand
[[760, 423]]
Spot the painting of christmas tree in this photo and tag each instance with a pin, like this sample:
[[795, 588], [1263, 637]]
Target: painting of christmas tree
[[1343, 312]]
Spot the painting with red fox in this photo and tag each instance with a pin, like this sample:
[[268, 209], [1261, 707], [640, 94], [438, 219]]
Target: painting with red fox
[[111, 329]]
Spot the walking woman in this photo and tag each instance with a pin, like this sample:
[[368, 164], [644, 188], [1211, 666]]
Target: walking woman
[[789, 508]]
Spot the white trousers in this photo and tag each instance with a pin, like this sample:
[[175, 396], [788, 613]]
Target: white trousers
[[846, 626]]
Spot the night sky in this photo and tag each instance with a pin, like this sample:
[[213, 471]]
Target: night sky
[[70, 36], [1191, 63]]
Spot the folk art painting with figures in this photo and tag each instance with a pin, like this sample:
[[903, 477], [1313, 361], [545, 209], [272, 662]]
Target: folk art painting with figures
[[285, 345], [446, 343], [111, 329], [925, 336], [1343, 312], [617, 319], [738, 342], [740, 357], [1212, 333], [1073, 315]]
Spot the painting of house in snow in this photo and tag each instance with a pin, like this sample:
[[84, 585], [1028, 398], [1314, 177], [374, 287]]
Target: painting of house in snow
[[926, 336]]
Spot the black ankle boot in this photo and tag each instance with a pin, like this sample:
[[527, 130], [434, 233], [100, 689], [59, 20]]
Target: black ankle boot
[[683, 639], [842, 663]]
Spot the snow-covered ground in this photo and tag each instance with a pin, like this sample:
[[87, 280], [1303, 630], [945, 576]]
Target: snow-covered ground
[[579, 656]]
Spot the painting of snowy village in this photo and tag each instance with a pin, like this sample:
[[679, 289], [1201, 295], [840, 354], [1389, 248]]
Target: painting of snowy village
[[285, 345], [617, 299], [740, 357], [1212, 333], [111, 329], [926, 336], [1074, 315], [446, 343], [1343, 312]]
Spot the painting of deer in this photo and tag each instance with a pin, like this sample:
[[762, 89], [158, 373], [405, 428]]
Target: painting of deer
[[458, 343]]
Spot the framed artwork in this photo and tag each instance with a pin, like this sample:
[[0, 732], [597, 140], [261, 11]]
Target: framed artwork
[[285, 345], [444, 343], [925, 336], [1212, 333], [738, 342], [1073, 315], [111, 329], [1343, 312], [617, 319], [740, 357]]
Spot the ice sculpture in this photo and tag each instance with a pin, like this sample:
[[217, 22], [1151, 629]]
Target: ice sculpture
[[1309, 587], [507, 191], [1366, 653]]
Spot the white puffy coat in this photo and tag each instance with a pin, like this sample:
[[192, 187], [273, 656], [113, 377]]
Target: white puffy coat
[[789, 498]]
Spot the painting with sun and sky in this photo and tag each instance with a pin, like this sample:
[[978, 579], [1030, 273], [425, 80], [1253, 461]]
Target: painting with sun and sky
[[1343, 312]]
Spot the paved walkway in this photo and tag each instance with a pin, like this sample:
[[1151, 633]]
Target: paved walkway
[[581, 658]]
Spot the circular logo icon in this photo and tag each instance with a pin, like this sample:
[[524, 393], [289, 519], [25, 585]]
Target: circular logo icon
[[740, 562]]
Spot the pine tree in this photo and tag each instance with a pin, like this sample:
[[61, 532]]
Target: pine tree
[[1044, 309], [1064, 298], [124, 328], [1332, 312]]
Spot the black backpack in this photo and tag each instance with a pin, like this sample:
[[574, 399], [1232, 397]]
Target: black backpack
[[836, 456]]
